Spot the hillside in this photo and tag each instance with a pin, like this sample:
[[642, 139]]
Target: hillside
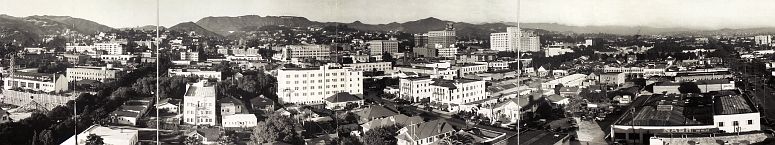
[[187, 27], [78, 24], [225, 25]]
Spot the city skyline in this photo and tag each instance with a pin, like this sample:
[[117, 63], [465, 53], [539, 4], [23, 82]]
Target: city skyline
[[659, 13]]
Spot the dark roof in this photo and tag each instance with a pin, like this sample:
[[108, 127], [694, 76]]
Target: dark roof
[[375, 112], [231, 99], [670, 110], [211, 134], [261, 101], [427, 129], [342, 97]]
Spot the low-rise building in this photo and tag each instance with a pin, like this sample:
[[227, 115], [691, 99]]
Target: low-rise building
[[340, 101], [129, 112], [612, 78], [101, 74], [36, 81], [239, 121]]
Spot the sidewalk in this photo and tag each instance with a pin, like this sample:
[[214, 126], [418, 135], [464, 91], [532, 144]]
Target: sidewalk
[[590, 133]]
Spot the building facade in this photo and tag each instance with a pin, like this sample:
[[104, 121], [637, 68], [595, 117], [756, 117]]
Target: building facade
[[377, 47], [101, 74], [313, 85], [199, 104]]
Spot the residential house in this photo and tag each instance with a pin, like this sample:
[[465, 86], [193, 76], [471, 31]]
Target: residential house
[[426, 133]]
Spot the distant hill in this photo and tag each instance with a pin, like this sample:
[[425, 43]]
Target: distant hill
[[145, 28], [193, 27], [225, 25], [80, 25]]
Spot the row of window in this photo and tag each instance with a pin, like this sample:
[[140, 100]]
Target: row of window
[[320, 81], [734, 123]]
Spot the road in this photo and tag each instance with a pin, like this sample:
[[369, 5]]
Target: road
[[754, 83]]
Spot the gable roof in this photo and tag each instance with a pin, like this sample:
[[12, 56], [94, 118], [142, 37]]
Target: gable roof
[[392, 120], [374, 112], [261, 101], [521, 102], [342, 97], [426, 129], [212, 134]]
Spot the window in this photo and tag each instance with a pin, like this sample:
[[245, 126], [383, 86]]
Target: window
[[735, 123], [720, 124], [750, 122]]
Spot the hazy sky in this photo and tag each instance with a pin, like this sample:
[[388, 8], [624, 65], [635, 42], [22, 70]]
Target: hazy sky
[[657, 13]]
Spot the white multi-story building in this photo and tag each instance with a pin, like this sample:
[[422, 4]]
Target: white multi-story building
[[36, 81], [199, 104], [313, 85], [80, 49], [446, 52], [371, 66], [514, 39], [101, 74], [450, 94], [320, 52], [763, 39], [415, 88], [195, 72], [111, 48], [189, 55], [377, 47], [554, 50]]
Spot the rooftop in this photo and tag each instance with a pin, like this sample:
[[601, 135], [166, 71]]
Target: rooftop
[[426, 129], [669, 110], [343, 97], [200, 89], [110, 135], [732, 104]]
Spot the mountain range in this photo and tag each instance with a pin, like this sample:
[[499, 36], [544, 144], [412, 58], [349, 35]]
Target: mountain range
[[33, 27]]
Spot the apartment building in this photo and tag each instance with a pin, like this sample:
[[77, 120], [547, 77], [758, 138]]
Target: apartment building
[[313, 85]]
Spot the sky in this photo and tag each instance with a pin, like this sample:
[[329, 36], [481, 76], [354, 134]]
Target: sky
[[700, 14]]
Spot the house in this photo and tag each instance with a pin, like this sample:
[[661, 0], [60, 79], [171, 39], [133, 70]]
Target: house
[[399, 119], [426, 133], [129, 112], [231, 105], [261, 103], [169, 104], [239, 121], [205, 135], [569, 91], [374, 112], [341, 100]]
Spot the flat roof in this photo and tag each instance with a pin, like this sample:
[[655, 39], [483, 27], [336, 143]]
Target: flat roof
[[669, 110], [732, 104]]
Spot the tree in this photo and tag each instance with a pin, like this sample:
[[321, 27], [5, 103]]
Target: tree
[[94, 139], [387, 57], [458, 139], [688, 87], [381, 136], [190, 140], [123, 93], [276, 128], [557, 88]]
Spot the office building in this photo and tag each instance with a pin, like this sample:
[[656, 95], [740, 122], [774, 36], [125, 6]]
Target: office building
[[377, 47], [36, 81], [514, 39], [763, 39], [318, 52]]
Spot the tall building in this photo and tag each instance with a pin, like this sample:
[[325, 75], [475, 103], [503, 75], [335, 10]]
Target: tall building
[[313, 85], [199, 104], [514, 39], [763, 39], [420, 40], [377, 47], [189, 55], [443, 38]]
